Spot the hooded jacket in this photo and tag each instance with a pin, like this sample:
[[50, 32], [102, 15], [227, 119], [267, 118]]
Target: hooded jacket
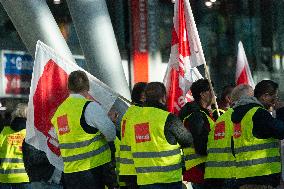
[[264, 126], [199, 127], [197, 124]]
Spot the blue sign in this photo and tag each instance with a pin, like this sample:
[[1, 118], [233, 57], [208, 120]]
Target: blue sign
[[17, 63]]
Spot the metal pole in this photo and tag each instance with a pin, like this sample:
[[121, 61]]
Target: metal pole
[[97, 40], [34, 21]]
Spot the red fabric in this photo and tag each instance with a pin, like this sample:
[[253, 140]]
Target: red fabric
[[194, 175], [243, 78], [50, 92]]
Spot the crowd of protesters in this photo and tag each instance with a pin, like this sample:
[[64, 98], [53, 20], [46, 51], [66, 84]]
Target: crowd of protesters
[[152, 148]]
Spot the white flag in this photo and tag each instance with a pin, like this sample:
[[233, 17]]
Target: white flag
[[186, 54], [243, 74], [48, 90]]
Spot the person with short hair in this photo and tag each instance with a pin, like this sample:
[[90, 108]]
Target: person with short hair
[[220, 162], [138, 93], [256, 137], [84, 129], [12, 170], [127, 173], [224, 101], [155, 137], [196, 118]]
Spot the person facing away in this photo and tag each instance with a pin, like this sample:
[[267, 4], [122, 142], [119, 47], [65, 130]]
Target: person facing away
[[224, 101], [41, 173], [83, 129], [138, 93], [220, 162], [127, 176], [256, 137], [155, 136], [12, 170], [197, 120]]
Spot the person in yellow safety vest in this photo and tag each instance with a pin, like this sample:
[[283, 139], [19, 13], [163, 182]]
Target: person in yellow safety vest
[[84, 129], [224, 101], [197, 120], [220, 163], [138, 93], [156, 137], [127, 173], [256, 137], [12, 170]]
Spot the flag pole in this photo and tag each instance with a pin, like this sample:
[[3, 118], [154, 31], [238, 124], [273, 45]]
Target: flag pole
[[207, 74]]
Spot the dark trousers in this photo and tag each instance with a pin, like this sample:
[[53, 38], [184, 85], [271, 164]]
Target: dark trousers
[[96, 178], [175, 185]]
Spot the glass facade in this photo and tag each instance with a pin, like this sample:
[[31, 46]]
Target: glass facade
[[259, 24]]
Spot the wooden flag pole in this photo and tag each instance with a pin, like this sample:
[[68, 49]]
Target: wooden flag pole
[[199, 47]]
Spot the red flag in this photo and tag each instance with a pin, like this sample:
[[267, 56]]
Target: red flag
[[186, 54], [48, 90], [243, 74]]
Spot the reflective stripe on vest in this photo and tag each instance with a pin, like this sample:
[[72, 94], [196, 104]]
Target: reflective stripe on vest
[[126, 162], [156, 161], [11, 160], [191, 158], [12, 171], [220, 161], [80, 144], [118, 160], [156, 154], [255, 157], [12, 168], [78, 153]]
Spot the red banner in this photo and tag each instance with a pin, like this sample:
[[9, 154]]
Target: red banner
[[140, 54]]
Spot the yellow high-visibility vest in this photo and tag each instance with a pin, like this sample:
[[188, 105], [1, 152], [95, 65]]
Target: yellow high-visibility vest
[[80, 151], [12, 169], [117, 153], [191, 158], [220, 161], [254, 157], [155, 160], [126, 163]]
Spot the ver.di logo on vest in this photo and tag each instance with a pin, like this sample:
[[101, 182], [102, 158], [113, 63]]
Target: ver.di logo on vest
[[142, 132], [63, 126]]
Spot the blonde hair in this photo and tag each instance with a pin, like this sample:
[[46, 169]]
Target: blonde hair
[[241, 90], [20, 111]]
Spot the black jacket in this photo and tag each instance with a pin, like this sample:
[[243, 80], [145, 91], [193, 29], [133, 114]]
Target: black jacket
[[36, 163], [264, 127], [198, 125]]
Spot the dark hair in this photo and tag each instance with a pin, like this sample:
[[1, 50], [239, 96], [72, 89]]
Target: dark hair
[[265, 86], [137, 91], [226, 91], [199, 86], [78, 81], [154, 91]]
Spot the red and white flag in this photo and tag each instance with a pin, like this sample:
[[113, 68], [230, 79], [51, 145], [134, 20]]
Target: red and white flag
[[186, 54], [48, 90], [243, 74]]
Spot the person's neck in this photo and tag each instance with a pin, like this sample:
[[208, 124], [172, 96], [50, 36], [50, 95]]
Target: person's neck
[[203, 104], [84, 94]]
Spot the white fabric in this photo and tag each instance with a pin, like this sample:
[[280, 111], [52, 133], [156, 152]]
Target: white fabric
[[242, 64], [187, 64], [102, 93]]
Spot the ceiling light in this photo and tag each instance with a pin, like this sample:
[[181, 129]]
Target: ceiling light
[[208, 3], [56, 2], [213, 1]]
